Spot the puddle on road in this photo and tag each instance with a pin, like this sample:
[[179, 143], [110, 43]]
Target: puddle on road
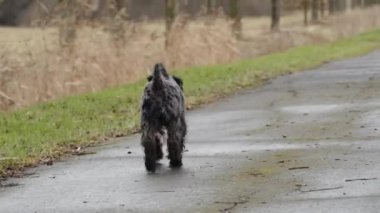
[[8, 185], [228, 148], [310, 108], [243, 147]]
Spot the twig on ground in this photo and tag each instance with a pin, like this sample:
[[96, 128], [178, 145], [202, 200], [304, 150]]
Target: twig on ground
[[360, 179], [323, 189], [301, 167], [233, 203]]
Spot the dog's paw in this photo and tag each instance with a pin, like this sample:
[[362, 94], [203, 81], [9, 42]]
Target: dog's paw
[[150, 166], [175, 163]]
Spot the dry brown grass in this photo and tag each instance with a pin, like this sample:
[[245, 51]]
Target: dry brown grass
[[34, 68]]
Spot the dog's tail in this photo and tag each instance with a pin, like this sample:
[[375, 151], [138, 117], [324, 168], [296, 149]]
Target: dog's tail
[[158, 74]]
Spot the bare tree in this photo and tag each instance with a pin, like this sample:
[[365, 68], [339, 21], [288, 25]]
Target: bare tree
[[170, 13], [210, 6], [305, 6], [67, 28], [340, 5], [314, 10], [331, 7], [322, 7], [99, 8], [119, 4], [275, 15], [349, 5], [362, 3], [235, 16]]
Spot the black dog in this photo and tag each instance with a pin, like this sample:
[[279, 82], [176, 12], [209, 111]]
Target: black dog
[[163, 110]]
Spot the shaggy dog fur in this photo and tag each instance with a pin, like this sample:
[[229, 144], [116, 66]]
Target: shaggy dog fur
[[163, 115]]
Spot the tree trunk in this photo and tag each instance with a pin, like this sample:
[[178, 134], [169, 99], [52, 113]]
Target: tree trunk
[[170, 6], [331, 7], [235, 16], [119, 4], [67, 27], [341, 5], [322, 7], [362, 3], [275, 15], [314, 10], [348, 5], [305, 6], [99, 8], [210, 7]]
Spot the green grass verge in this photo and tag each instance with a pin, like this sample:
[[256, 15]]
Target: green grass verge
[[49, 130]]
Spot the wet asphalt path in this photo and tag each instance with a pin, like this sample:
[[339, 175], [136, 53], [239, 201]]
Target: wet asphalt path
[[309, 142]]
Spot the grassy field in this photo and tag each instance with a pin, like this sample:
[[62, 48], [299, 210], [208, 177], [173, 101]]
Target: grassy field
[[48, 131]]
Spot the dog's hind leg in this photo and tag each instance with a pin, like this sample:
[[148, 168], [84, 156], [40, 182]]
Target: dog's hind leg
[[183, 131], [150, 150], [174, 146], [159, 138]]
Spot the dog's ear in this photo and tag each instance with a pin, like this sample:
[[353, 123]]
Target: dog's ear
[[149, 78], [179, 81]]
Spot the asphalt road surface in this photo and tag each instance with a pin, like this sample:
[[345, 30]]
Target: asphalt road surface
[[308, 142]]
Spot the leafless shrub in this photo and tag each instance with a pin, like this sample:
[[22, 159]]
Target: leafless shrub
[[117, 26]]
